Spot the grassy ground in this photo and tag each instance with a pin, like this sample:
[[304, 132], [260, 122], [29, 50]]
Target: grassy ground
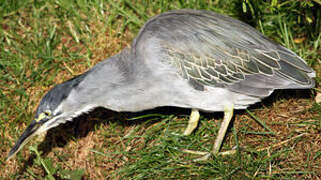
[[47, 42]]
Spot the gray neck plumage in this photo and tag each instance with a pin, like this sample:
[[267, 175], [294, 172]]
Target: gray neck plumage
[[119, 83]]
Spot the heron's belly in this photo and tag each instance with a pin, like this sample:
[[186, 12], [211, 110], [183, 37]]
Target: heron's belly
[[212, 99]]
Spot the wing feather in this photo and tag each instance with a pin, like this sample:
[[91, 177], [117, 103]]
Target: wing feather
[[219, 51]]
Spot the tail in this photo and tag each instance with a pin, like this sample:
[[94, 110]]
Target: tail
[[294, 70], [293, 73]]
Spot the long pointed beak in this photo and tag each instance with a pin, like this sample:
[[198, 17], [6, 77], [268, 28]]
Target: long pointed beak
[[24, 138]]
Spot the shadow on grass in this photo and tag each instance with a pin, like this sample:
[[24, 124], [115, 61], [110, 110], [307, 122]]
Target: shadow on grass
[[85, 123], [82, 125]]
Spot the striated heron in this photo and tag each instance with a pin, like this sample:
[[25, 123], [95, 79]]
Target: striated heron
[[184, 58]]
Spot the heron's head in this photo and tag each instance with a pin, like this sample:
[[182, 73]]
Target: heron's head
[[50, 113]]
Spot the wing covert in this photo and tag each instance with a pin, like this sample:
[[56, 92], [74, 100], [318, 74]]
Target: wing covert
[[219, 51]]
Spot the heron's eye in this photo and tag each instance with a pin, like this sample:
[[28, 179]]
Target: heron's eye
[[47, 113]]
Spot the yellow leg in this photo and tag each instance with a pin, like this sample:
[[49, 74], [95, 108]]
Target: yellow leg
[[193, 122], [228, 114]]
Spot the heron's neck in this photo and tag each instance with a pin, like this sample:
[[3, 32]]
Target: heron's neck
[[136, 91], [120, 83]]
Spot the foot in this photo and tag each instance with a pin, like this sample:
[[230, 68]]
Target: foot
[[228, 114], [206, 155]]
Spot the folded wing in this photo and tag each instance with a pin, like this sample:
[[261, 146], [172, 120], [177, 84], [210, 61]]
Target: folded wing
[[213, 50]]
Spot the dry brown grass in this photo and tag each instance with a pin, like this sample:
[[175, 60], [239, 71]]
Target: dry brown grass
[[287, 115]]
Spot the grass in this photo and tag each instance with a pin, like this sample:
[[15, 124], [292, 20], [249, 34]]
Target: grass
[[47, 42]]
